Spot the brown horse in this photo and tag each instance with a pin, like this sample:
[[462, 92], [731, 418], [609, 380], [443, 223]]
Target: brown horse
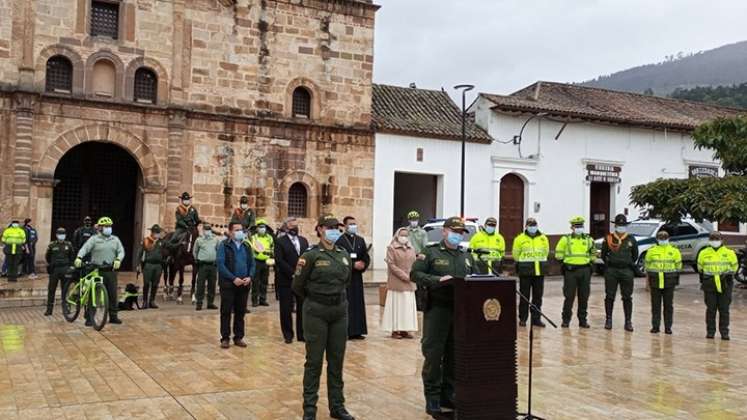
[[176, 260]]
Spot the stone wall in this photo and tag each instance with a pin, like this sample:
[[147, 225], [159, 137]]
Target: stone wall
[[221, 126]]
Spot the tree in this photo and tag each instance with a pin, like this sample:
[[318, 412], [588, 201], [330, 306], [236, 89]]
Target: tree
[[713, 199]]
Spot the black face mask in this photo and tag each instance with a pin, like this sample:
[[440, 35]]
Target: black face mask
[[293, 232]]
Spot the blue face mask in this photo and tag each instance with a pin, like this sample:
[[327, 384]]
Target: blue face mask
[[663, 242], [239, 235], [621, 229], [532, 229], [353, 229], [262, 230], [107, 231], [454, 238], [490, 230], [578, 231], [332, 235], [61, 237]]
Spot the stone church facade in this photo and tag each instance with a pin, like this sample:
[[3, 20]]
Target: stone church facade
[[268, 98]]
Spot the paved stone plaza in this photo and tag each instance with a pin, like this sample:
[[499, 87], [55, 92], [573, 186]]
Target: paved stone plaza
[[166, 363]]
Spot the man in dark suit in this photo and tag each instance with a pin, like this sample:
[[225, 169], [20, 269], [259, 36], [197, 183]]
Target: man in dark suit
[[287, 250]]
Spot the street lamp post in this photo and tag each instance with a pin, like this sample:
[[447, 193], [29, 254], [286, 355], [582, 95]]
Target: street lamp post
[[464, 89]]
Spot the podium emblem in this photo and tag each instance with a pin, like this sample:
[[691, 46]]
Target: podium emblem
[[491, 309]]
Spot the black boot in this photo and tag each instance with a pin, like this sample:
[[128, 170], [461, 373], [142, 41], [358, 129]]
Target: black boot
[[608, 306], [152, 304], [628, 308], [49, 311]]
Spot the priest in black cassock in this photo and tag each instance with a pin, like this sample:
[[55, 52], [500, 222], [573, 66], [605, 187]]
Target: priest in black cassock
[[358, 250]]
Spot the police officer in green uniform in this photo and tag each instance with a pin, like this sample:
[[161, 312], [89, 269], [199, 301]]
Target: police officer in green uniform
[[151, 262], [443, 261], [576, 252], [322, 275], [187, 219], [104, 249], [60, 256], [619, 253], [243, 215], [205, 254]]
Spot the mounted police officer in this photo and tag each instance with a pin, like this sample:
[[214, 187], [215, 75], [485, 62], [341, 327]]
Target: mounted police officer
[[243, 215], [187, 220], [322, 275]]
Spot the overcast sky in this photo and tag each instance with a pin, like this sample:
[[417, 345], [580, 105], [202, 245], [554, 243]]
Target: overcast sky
[[504, 45]]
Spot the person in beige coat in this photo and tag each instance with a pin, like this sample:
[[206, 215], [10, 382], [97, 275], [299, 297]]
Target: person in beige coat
[[400, 310]]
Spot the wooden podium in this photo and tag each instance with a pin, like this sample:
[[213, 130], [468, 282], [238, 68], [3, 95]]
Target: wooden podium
[[485, 348]]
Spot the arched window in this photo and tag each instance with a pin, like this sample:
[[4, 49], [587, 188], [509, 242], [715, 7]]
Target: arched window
[[146, 86], [59, 75], [297, 200], [301, 103], [104, 78]]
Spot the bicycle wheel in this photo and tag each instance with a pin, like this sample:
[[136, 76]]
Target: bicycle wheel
[[99, 306], [71, 301]]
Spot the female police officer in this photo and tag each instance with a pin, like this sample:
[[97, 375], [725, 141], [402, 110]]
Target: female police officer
[[322, 274]]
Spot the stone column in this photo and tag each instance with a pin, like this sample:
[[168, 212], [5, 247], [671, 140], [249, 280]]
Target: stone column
[[43, 189], [23, 107], [177, 121]]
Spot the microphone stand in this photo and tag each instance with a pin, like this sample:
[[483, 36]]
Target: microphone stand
[[532, 308]]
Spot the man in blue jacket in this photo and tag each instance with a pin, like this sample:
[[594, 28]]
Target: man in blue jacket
[[235, 262]]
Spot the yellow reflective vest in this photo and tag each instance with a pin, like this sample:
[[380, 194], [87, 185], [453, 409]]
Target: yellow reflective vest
[[262, 245], [493, 243], [663, 262], [13, 237], [714, 263], [530, 254], [575, 250]]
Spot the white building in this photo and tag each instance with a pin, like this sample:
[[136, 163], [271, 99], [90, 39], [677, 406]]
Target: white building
[[418, 160], [580, 153]]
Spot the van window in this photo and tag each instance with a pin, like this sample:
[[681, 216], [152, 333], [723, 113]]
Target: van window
[[686, 229]]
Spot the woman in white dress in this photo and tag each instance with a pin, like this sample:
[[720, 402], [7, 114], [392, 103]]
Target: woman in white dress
[[400, 309]]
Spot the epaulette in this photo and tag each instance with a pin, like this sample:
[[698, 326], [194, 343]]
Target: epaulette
[[433, 245]]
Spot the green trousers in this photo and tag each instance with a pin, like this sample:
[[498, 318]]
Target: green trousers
[[151, 277], [259, 283], [325, 329], [14, 264], [206, 274], [438, 350], [618, 277], [57, 276], [718, 302], [576, 282], [658, 296]]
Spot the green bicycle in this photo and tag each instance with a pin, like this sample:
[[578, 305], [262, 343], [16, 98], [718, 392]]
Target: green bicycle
[[90, 293]]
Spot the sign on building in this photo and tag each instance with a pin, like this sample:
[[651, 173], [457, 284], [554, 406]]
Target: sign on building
[[599, 172], [703, 172]]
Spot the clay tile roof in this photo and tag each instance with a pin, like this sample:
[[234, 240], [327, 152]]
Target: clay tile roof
[[582, 102], [421, 113]]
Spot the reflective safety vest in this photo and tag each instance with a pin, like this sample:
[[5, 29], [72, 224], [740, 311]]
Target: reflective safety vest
[[717, 262], [575, 250], [12, 237], [662, 260], [262, 246], [493, 243], [531, 251]]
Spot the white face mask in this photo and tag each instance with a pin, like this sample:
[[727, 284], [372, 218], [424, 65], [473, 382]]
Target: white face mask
[[404, 240], [261, 230], [621, 229], [244, 206], [578, 231], [414, 223], [663, 242], [61, 237], [186, 202], [714, 244]]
